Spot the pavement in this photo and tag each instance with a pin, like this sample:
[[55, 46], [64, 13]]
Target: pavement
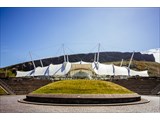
[[9, 104]]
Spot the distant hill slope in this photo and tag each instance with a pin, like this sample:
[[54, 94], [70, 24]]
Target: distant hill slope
[[155, 52], [104, 57]]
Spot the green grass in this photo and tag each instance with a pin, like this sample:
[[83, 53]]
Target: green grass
[[82, 87], [2, 92]]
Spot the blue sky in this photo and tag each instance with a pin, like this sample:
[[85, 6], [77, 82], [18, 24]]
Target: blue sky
[[43, 31]]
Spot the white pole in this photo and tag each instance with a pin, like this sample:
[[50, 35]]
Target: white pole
[[41, 62], [121, 63], [95, 57], [67, 59], [98, 53], [32, 60], [64, 53], [113, 69], [131, 60]]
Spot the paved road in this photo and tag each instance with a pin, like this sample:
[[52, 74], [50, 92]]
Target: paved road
[[9, 104]]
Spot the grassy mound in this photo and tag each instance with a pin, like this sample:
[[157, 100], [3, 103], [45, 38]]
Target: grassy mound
[[82, 87]]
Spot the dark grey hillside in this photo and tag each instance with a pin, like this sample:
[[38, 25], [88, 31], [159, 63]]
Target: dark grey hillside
[[104, 57]]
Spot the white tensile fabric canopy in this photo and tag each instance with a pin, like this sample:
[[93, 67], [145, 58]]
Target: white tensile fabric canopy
[[98, 68], [120, 71], [60, 69], [139, 73], [51, 70], [40, 71], [102, 69], [24, 74]]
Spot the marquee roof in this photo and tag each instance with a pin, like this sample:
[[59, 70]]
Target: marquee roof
[[98, 68]]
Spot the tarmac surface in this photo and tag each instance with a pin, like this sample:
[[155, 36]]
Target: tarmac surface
[[9, 104]]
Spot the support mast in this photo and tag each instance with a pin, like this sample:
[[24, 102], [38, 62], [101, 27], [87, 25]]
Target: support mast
[[32, 60], [98, 53], [131, 60], [94, 58], [64, 53], [41, 62], [121, 63], [67, 59]]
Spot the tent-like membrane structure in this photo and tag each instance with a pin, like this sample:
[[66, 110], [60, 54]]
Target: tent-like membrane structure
[[96, 67], [81, 68]]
